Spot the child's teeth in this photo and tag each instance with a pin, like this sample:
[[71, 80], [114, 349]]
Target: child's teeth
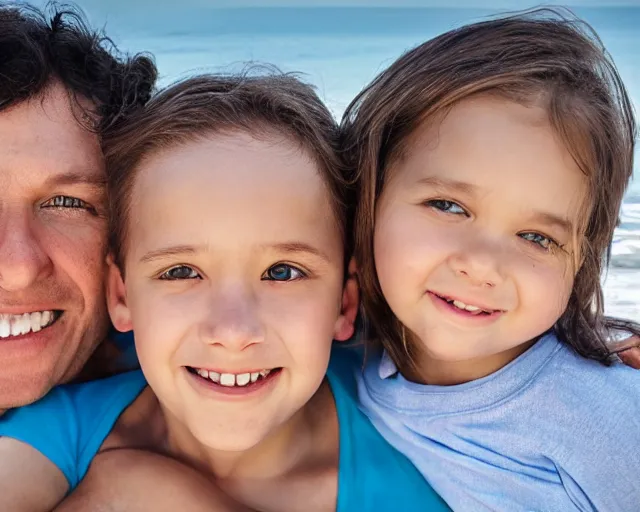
[[459, 304], [231, 379], [462, 305], [243, 379], [227, 379]]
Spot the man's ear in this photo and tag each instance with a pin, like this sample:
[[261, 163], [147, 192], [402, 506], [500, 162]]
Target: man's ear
[[345, 324], [117, 298]]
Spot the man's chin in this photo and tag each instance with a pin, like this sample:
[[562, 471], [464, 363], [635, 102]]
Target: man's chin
[[23, 391]]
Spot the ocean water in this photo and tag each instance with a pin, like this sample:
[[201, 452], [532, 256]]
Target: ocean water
[[340, 50]]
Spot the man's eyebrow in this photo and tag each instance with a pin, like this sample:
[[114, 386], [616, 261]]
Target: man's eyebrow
[[550, 219], [298, 247], [167, 252], [90, 178], [436, 182]]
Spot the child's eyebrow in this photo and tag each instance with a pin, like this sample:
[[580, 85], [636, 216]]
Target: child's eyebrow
[[298, 247], [168, 252], [437, 182], [550, 219], [286, 247]]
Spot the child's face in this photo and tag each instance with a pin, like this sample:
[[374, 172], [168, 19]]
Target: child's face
[[234, 267], [481, 210]]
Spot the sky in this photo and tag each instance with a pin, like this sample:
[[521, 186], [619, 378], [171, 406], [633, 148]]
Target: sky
[[482, 4]]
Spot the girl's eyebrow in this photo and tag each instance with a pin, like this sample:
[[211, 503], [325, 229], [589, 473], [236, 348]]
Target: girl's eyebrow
[[437, 182], [552, 220], [545, 218]]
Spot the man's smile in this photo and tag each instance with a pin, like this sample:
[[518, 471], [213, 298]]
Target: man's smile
[[21, 324]]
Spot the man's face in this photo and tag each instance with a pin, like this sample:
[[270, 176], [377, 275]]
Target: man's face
[[52, 246]]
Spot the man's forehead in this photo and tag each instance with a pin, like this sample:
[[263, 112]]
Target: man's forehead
[[45, 136]]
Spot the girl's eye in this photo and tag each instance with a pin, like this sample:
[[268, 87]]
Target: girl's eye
[[178, 273], [283, 272], [543, 241], [67, 202], [446, 206]]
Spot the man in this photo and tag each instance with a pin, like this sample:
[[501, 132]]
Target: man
[[59, 82]]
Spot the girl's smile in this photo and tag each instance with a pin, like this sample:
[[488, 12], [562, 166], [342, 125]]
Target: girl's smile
[[474, 234]]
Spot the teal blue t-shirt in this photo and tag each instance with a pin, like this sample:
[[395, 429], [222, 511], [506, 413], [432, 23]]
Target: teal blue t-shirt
[[69, 425]]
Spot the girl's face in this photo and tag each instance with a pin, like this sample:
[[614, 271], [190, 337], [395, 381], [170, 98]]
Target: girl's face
[[234, 285], [475, 237]]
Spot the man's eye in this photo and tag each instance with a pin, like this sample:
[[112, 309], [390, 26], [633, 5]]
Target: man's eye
[[283, 272], [446, 206], [179, 272], [543, 241], [67, 202]]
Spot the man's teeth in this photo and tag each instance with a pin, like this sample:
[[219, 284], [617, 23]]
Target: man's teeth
[[16, 325], [231, 379]]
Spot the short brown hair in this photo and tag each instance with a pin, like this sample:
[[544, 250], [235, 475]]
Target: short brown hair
[[198, 107], [542, 56]]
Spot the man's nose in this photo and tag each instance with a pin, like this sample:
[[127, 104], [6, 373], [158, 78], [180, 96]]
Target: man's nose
[[23, 259]]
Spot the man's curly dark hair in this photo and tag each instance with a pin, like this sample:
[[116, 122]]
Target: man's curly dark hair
[[40, 46]]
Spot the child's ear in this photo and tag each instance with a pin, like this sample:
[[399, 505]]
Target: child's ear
[[117, 298], [345, 325]]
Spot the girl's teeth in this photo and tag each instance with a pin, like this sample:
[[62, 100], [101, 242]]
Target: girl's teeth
[[462, 305], [203, 373], [254, 376], [214, 376]]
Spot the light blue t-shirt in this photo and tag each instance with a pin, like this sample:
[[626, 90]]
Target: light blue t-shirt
[[70, 424], [551, 431]]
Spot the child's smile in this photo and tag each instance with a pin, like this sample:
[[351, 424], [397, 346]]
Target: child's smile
[[241, 384], [233, 285], [469, 312], [475, 230]]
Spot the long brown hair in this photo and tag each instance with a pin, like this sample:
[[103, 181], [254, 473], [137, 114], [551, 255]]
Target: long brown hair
[[542, 56]]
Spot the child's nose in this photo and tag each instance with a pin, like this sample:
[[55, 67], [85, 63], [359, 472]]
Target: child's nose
[[233, 320], [479, 263]]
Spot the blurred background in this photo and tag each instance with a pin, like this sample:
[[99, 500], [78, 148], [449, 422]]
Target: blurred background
[[339, 46]]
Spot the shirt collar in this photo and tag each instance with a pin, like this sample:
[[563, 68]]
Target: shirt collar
[[387, 368]]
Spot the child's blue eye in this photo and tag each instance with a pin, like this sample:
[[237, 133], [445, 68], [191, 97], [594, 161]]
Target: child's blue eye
[[446, 206], [179, 272], [543, 241], [283, 272]]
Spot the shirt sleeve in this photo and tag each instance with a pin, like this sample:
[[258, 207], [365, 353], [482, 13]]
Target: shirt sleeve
[[600, 468], [51, 427], [70, 424]]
